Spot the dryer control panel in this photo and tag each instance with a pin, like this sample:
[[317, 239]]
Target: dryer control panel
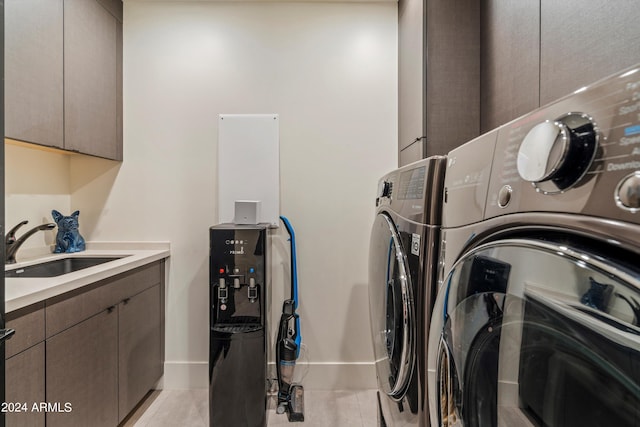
[[580, 154], [414, 191]]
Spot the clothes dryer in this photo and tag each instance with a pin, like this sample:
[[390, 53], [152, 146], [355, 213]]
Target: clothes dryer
[[402, 277], [537, 320]]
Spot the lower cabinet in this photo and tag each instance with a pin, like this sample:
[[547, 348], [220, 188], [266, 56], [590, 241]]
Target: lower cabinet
[[81, 372], [101, 354], [24, 381], [140, 348]]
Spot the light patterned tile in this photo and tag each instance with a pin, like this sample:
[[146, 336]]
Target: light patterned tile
[[367, 400], [201, 400], [176, 409], [332, 408], [146, 410], [190, 408]]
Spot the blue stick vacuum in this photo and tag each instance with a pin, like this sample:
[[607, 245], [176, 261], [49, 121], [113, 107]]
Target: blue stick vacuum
[[290, 396]]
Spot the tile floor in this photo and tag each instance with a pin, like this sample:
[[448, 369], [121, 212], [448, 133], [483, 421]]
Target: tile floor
[[189, 408]]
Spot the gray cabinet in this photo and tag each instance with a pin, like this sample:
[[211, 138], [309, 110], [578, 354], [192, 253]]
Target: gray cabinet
[[583, 41], [411, 82], [82, 370], [536, 51], [34, 71], [510, 60], [438, 76], [24, 381], [117, 355], [90, 79], [101, 351], [63, 85], [452, 74], [140, 347], [24, 375]]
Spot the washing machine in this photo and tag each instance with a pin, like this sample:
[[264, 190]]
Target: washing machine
[[402, 276], [537, 319]]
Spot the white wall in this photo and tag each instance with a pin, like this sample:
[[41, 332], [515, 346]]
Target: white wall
[[330, 71], [36, 182]]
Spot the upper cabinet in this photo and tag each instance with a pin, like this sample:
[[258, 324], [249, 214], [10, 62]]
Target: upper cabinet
[[584, 41], [411, 84], [64, 74], [536, 51], [438, 76], [90, 81], [34, 99], [510, 60]]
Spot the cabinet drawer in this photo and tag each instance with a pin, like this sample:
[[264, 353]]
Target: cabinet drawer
[[29, 325], [73, 307]]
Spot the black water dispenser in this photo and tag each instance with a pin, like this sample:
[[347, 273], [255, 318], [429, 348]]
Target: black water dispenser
[[238, 280]]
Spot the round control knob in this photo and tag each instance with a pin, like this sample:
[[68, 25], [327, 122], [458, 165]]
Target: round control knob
[[555, 155], [541, 151], [627, 193]]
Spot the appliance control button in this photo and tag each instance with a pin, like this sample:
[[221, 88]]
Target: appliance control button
[[252, 282], [627, 195], [222, 283], [555, 155], [542, 151], [385, 189], [236, 283], [504, 196]]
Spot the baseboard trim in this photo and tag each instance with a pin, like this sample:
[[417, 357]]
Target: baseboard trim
[[313, 376]]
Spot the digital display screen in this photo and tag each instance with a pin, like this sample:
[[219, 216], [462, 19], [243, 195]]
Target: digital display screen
[[412, 184]]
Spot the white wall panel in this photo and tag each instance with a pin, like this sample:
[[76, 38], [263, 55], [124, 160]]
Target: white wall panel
[[249, 164]]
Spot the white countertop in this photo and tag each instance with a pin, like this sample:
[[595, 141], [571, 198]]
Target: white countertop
[[21, 292]]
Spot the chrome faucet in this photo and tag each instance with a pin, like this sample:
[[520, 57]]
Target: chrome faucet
[[11, 244]]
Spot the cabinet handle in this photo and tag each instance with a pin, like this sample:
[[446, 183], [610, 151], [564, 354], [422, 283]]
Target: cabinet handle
[[110, 309]]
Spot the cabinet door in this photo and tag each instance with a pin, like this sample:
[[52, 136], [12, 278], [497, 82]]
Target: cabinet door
[[583, 41], [34, 71], [25, 384], [140, 347], [411, 153], [82, 370], [452, 74], [510, 60], [90, 79], [411, 81]]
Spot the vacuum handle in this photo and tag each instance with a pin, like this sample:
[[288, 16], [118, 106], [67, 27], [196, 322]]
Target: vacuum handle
[[294, 268], [288, 307]]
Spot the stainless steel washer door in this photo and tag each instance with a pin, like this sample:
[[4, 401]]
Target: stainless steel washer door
[[392, 314], [539, 334]]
